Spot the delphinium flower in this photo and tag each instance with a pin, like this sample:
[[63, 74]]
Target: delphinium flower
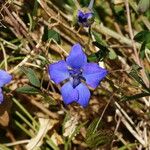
[[78, 74], [4, 79], [85, 17]]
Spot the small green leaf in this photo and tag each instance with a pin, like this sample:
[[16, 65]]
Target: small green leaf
[[112, 54], [97, 137], [135, 75], [35, 8], [142, 50], [51, 34], [142, 36], [28, 90], [134, 97], [98, 38], [31, 76], [100, 55], [128, 146], [143, 5]]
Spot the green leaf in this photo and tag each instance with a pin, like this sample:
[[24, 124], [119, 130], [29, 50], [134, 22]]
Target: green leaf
[[28, 90], [143, 36], [51, 34], [135, 75], [128, 146], [134, 97], [112, 54], [143, 5], [98, 38], [33, 79], [142, 50], [97, 137], [100, 55], [35, 8], [91, 128]]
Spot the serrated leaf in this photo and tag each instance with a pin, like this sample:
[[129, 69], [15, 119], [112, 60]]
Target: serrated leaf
[[28, 90], [31, 75], [143, 5]]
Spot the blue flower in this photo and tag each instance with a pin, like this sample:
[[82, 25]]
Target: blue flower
[[77, 73], [4, 79], [85, 18]]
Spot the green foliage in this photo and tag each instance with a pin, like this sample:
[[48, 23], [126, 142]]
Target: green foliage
[[76, 131], [144, 38], [134, 73], [28, 121], [97, 137], [134, 97], [25, 33], [103, 51], [100, 55], [28, 90], [51, 34], [31, 75], [112, 54], [128, 146], [143, 5]]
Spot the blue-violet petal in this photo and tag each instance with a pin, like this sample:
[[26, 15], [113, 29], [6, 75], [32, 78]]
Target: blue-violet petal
[[76, 58], [69, 94], [93, 74], [1, 96], [84, 95], [58, 71], [4, 78]]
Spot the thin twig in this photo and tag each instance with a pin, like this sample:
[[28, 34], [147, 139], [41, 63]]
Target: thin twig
[[17, 143], [5, 56], [137, 59]]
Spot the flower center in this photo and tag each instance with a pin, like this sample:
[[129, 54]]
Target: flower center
[[82, 19], [76, 74]]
